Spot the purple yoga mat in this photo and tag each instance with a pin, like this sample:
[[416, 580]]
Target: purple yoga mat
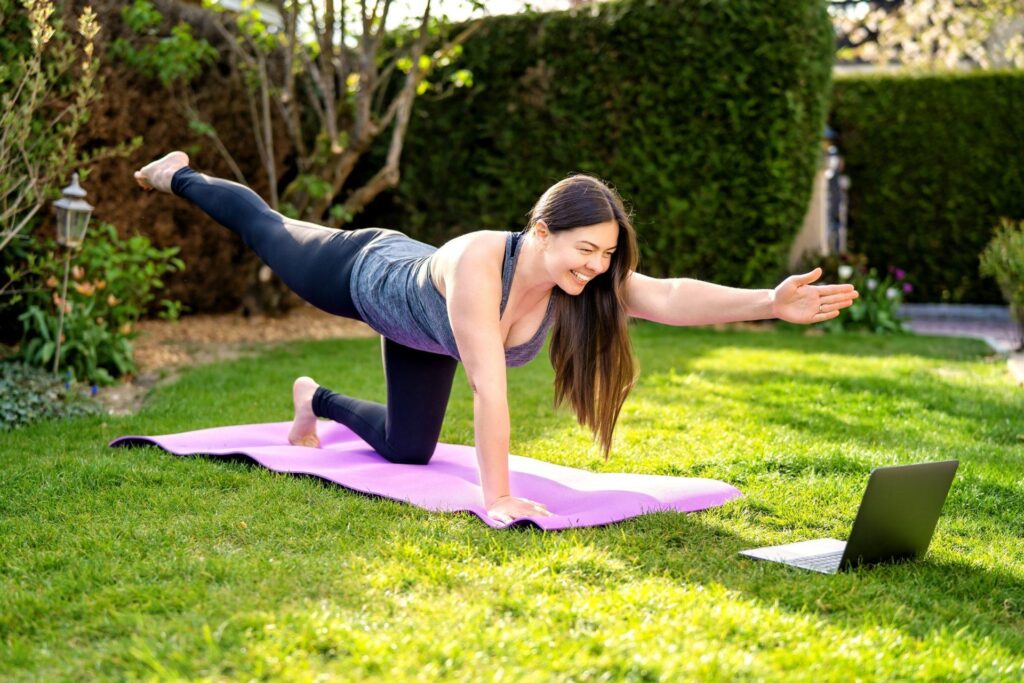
[[450, 482]]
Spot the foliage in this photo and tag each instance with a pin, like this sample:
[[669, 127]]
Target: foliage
[[322, 83], [28, 394], [934, 162], [1003, 259], [707, 117], [875, 310], [931, 33], [47, 85], [112, 284], [136, 564], [176, 57], [41, 110]]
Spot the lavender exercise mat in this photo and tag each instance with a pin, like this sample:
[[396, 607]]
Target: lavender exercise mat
[[450, 482]]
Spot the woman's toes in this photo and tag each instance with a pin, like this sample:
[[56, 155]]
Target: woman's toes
[[158, 174], [141, 180]]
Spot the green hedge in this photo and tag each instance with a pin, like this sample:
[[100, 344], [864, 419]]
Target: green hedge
[[934, 161], [706, 115]]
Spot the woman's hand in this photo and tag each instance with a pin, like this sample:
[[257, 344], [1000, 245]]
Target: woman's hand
[[797, 301], [507, 509]]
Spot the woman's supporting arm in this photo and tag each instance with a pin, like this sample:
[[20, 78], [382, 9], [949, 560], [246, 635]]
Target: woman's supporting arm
[[683, 301], [473, 293]]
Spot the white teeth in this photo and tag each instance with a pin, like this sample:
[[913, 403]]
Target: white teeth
[[581, 278]]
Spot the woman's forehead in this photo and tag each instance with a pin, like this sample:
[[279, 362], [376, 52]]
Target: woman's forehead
[[600, 235]]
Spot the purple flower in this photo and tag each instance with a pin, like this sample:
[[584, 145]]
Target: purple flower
[[907, 287], [900, 274], [93, 390]]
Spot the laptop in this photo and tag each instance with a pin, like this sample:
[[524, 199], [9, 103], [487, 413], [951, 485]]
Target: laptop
[[896, 520]]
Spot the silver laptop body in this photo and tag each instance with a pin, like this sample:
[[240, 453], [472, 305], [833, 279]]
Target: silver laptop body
[[896, 520]]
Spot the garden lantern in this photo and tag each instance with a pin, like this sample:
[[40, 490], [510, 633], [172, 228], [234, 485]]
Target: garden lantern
[[73, 214]]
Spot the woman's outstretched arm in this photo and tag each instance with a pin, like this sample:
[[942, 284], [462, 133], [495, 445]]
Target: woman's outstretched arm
[[683, 301]]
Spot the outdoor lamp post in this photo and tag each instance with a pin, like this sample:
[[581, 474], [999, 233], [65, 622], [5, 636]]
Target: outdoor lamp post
[[73, 214]]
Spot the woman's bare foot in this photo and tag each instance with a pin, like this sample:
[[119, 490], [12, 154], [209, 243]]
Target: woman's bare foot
[[157, 175], [303, 431]]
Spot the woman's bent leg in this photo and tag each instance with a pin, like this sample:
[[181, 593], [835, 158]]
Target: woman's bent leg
[[315, 262], [407, 428]]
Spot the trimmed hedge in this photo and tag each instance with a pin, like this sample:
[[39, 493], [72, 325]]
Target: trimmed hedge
[[706, 116], [934, 162]]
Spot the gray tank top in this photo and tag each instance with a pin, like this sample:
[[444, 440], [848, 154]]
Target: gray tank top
[[394, 293]]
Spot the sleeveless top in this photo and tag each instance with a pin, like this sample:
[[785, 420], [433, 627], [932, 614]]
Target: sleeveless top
[[392, 289]]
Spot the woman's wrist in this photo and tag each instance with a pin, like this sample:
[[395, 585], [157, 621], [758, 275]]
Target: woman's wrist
[[490, 501]]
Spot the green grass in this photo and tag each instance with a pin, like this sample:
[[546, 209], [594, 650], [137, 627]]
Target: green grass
[[122, 563]]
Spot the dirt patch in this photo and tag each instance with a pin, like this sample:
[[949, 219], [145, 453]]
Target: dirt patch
[[163, 348]]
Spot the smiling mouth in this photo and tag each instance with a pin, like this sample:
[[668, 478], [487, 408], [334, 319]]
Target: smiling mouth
[[580, 277]]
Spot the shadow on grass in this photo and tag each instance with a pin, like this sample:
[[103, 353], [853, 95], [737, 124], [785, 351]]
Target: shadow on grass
[[985, 602], [920, 598]]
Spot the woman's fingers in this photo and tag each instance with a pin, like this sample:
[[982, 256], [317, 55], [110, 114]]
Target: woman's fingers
[[539, 507], [828, 308], [519, 508], [835, 290], [837, 298], [809, 277]]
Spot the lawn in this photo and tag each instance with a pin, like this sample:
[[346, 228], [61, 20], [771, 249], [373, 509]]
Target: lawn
[[119, 563]]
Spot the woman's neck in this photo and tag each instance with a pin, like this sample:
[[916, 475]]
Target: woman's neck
[[531, 277]]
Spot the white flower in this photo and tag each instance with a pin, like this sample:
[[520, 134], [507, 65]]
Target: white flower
[[891, 293], [872, 283], [845, 272]]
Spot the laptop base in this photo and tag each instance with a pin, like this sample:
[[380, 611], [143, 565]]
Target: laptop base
[[822, 555]]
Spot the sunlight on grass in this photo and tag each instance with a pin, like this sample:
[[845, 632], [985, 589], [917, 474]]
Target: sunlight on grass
[[121, 564]]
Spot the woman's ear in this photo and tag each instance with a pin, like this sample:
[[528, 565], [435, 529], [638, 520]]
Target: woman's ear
[[541, 232]]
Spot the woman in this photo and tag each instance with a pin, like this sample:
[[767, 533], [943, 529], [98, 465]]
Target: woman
[[486, 298]]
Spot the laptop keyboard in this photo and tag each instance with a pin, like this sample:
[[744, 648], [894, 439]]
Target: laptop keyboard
[[826, 564]]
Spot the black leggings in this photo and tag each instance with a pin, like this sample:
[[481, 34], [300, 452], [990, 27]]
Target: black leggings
[[315, 262]]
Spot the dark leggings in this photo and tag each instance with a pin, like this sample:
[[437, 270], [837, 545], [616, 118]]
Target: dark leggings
[[315, 262]]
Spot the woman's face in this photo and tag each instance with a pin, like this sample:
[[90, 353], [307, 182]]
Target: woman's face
[[575, 257]]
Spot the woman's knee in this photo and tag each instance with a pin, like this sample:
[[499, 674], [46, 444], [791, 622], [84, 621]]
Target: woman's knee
[[414, 454]]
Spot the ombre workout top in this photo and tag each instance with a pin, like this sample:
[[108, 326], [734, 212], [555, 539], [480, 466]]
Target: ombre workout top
[[392, 290]]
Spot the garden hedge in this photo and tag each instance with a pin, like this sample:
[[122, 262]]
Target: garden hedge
[[934, 161], [705, 115]]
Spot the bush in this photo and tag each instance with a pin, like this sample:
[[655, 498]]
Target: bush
[[876, 309], [706, 116], [28, 394], [934, 163], [1003, 259], [112, 284]]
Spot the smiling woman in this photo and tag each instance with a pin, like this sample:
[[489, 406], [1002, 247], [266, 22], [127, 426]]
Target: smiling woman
[[487, 299]]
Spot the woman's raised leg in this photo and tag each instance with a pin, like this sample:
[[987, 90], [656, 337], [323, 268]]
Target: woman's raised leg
[[314, 261]]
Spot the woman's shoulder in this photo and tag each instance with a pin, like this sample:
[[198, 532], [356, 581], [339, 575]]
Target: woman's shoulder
[[475, 254], [476, 245]]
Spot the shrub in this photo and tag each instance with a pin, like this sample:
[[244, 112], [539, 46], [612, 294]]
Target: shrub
[[876, 309], [934, 162], [28, 394], [46, 88], [1003, 259], [706, 116], [112, 284]]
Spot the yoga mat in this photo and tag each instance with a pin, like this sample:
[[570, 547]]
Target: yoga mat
[[450, 483]]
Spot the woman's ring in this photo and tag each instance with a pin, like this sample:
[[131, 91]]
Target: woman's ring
[[819, 309]]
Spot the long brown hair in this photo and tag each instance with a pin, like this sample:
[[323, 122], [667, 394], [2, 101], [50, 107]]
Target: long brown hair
[[590, 347]]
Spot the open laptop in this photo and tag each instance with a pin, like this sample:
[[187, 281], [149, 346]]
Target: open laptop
[[896, 519]]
